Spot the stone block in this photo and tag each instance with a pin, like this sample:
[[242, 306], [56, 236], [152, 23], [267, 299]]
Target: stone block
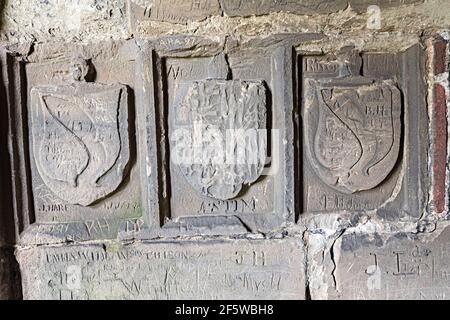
[[391, 266], [238, 270], [261, 7], [364, 133], [67, 20], [73, 141], [174, 11], [217, 135], [10, 281]]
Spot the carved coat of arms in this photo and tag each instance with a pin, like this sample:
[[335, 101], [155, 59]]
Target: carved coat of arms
[[353, 132], [219, 134], [80, 139]]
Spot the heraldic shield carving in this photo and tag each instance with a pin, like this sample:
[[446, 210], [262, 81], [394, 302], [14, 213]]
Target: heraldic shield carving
[[219, 134], [353, 133], [80, 139]]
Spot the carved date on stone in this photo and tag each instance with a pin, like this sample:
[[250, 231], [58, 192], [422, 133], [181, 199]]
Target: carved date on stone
[[220, 134], [354, 133], [80, 137]]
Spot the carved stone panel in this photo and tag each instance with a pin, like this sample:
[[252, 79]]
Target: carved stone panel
[[222, 162], [74, 145], [10, 282], [260, 7], [238, 269], [391, 267], [363, 133], [80, 141], [353, 133], [210, 113]]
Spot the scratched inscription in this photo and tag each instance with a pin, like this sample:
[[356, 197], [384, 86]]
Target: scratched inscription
[[238, 270], [259, 7], [354, 134], [403, 267], [176, 11], [219, 134], [80, 140]]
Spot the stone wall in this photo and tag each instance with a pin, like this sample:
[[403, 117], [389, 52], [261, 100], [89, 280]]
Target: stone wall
[[224, 149]]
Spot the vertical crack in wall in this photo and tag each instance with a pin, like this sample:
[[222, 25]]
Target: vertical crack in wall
[[332, 256], [320, 240]]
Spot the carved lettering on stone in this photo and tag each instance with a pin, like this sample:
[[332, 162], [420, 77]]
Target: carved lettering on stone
[[80, 137], [354, 134], [220, 138], [184, 270], [174, 11]]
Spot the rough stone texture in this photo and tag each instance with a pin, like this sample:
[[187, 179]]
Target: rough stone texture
[[440, 56], [259, 7], [80, 140], [352, 149], [10, 282], [352, 199], [399, 266], [64, 20], [82, 146], [198, 106], [440, 140], [174, 11], [353, 119], [168, 67], [165, 270]]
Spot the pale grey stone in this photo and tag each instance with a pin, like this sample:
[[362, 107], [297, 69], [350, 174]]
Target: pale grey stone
[[219, 135], [77, 178], [354, 115], [353, 135], [260, 7], [237, 270], [80, 140], [69, 20], [391, 266], [174, 11]]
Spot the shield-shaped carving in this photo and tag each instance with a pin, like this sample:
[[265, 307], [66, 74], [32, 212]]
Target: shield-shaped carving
[[219, 134], [352, 132], [80, 139]]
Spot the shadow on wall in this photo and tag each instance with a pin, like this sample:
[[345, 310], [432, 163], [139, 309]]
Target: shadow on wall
[[2, 13], [10, 282]]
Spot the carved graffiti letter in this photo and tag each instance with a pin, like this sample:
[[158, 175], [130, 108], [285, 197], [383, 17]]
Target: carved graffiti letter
[[80, 135]]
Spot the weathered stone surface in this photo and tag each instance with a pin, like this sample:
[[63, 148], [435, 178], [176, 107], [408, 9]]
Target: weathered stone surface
[[25, 20], [440, 148], [132, 223], [440, 49], [77, 178], [220, 137], [175, 11], [354, 118], [396, 266], [238, 269], [80, 140], [245, 91], [353, 135], [259, 7]]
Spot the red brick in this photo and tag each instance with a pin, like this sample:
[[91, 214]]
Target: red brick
[[440, 56], [440, 148]]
